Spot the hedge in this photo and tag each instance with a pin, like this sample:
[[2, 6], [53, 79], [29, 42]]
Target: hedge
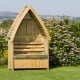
[[65, 42]]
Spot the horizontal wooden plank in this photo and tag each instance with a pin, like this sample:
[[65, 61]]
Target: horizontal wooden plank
[[28, 46], [23, 43], [29, 50]]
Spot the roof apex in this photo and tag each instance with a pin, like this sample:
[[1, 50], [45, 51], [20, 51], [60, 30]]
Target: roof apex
[[18, 20]]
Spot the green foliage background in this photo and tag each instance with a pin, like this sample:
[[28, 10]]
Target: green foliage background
[[65, 41], [4, 26]]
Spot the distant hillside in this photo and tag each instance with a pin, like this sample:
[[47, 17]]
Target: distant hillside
[[5, 15], [76, 18]]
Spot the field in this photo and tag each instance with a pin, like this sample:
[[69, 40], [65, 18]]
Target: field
[[60, 73]]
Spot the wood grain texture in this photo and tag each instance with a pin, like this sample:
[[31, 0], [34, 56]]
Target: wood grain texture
[[31, 63]]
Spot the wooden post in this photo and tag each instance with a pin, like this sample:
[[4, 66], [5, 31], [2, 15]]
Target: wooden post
[[46, 50], [10, 55]]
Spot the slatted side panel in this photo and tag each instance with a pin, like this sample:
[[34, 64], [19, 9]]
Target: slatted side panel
[[31, 63]]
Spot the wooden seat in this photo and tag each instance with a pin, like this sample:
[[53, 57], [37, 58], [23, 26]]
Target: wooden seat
[[25, 56]]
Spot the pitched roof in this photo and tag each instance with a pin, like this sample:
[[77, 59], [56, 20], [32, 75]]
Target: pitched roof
[[20, 17]]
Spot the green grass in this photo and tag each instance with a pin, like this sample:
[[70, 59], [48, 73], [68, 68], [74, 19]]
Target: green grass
[[60, 73]]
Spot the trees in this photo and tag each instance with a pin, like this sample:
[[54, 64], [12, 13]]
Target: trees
[[3, 50], [5, 25]]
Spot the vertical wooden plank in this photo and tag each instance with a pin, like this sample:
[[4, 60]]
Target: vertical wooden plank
[[46, 49], [9, 57], [12, 54]]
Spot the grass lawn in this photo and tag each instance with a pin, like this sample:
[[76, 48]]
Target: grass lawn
[[60, 73]]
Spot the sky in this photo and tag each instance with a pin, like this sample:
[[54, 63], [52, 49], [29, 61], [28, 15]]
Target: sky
[[49, 7]]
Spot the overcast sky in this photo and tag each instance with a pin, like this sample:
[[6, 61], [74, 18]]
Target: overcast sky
[[52, 7]]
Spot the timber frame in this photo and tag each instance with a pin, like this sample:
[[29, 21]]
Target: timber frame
[[28, 41]]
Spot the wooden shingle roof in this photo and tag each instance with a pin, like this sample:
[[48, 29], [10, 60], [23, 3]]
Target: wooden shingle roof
[[20, 17]]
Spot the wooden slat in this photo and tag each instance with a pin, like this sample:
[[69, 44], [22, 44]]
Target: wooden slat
[[23, 43], [29, 50], [28, 46]]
